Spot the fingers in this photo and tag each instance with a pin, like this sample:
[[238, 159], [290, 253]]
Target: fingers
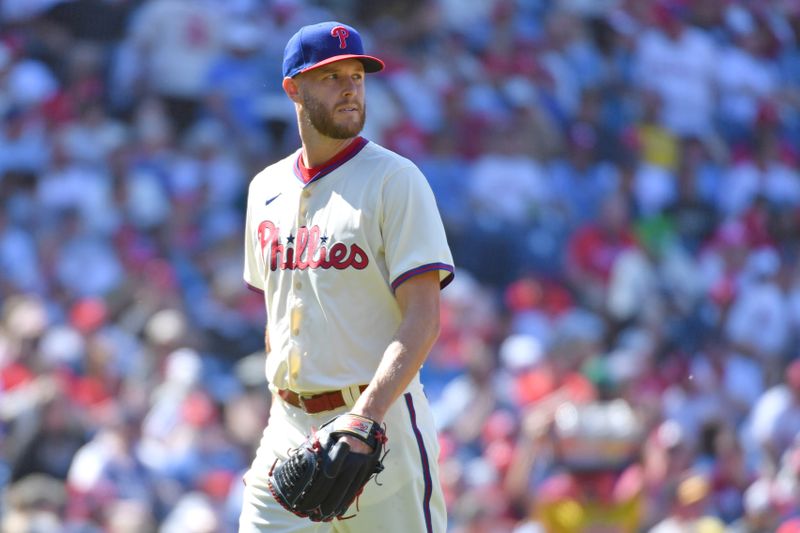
[[357, 445]]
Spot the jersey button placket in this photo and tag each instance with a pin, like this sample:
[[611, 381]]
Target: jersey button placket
[[296, 317], [302, 208], [297, 284]]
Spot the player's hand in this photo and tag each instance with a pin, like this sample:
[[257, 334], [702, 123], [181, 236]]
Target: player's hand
[[356, 445], [323, 476]]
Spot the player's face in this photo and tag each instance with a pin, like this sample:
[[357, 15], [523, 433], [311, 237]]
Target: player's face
[[333, 99]]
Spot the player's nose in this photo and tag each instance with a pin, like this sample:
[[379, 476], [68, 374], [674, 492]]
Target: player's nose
[[349, 86]]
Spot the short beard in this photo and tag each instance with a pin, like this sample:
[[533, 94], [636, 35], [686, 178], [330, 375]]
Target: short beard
[[321, 119]]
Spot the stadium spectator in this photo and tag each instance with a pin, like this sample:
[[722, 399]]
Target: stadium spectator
[[619, 182]]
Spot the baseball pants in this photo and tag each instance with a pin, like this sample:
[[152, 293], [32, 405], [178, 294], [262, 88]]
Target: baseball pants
[[409, 498]]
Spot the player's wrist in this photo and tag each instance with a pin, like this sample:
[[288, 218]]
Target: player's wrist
[[368, 415], [368, 411], [362, 417], [373, 403]]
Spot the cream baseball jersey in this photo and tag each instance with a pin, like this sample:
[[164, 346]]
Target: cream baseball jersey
[[328, 250]]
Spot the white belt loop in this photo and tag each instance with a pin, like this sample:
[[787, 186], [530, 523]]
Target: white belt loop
[[350, 395]]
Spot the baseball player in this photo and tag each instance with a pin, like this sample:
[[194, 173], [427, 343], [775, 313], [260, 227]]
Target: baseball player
[[344, 239]]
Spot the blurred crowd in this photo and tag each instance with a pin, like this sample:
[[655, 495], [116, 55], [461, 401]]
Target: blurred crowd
[[620, 184]]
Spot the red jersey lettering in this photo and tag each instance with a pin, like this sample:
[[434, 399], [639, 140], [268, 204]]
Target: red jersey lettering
[[307, 251]]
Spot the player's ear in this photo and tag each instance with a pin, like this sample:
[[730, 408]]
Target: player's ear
[[291, 88]]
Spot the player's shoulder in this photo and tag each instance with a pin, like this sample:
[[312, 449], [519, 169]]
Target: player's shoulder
[[373, 150], [391, 164]]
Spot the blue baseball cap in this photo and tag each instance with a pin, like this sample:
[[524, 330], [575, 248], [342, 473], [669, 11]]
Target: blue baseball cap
[[324, 43]]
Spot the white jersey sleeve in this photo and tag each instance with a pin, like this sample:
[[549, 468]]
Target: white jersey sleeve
[[412, 229]]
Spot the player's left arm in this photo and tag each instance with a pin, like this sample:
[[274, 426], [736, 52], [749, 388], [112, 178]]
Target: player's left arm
[[418, 298]]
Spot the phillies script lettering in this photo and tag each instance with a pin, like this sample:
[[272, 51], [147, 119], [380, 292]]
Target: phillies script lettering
[[309, 250]]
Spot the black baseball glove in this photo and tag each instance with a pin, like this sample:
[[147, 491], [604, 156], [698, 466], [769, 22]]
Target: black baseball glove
[[322, 477]]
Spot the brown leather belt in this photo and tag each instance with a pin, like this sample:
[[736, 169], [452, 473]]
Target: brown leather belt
[[316, 403]]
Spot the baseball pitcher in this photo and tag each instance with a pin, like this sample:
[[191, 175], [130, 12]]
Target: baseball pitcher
[[345, 242]]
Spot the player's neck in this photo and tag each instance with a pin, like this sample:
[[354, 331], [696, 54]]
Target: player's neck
[[322, 150]]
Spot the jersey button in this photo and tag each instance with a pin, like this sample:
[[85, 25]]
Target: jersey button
[[298, 285], [306, 193], [296, 332]]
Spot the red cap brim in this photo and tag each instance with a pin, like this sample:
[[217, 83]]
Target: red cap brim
[[371, 64]]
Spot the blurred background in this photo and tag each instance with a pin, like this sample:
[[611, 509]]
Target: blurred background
[[620, 184]]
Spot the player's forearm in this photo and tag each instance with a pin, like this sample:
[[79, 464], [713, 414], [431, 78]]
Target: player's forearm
[[401, 362], [403, 357]]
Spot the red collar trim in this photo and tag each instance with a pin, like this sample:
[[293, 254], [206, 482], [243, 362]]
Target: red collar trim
[[307, 175]]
